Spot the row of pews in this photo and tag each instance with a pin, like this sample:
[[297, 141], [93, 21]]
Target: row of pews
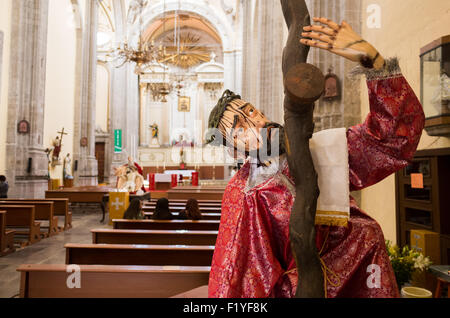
[[209, 209], [137, 258], [26, 221]]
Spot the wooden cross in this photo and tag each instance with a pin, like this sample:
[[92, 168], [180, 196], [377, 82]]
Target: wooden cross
[[62, 134], [303, 84]]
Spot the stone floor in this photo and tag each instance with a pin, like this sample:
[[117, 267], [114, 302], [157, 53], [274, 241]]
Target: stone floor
[[47, 251]]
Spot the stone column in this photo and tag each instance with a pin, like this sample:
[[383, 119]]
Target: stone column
[[143, 123], [247, 42], [343, 112], [262, 80], [87, 170], [132, 112], [1, 59], [271, 90], [26, 162]]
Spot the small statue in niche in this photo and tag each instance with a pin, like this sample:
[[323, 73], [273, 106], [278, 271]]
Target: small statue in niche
[[155, 130], [68, 167], [155, 134], [332, 86]]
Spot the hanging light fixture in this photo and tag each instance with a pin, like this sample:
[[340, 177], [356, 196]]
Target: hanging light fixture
[[144, 54], [164, 89]]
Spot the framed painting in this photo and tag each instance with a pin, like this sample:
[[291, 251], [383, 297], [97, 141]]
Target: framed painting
[[184, 104]]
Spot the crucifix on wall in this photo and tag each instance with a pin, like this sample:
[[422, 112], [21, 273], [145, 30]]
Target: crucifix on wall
[[57, 144]]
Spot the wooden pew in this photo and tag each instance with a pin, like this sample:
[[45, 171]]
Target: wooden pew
[[152, 237], [215, 209], [199, 194], [183, 205], [106, 281], [122, 254], [43, 211], [60, 208], [188, 225], [185, 200], [206, 216], [6, 236], [20, 217], [178, 209]]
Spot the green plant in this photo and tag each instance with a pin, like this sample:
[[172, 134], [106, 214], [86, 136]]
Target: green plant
[[405, 262]]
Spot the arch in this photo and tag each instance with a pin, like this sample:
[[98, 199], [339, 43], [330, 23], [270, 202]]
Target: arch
[[208, 13]]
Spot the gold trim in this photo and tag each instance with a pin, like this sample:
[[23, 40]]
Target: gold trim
[[332, 212], [331, 221]]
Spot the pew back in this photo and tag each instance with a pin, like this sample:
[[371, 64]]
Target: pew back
[[152, 237], [43, 210], [205, 216], [118, 254], [22, 216], [60, 208], [188, 225], [6, 236], [100, 281], [19, 215]]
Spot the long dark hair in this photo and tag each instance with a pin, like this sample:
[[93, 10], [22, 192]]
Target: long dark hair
[[162, 211], [134, 210], [192, 210]]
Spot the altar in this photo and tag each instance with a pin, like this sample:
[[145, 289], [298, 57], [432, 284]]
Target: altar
[[185, 173], [169, 179]]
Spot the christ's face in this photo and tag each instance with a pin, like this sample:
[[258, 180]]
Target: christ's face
[[249, 132], [241, 126]]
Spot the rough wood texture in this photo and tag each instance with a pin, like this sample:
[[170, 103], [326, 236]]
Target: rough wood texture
[[299, 128]]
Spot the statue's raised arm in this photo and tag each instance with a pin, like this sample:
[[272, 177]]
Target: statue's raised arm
[[303, 85]]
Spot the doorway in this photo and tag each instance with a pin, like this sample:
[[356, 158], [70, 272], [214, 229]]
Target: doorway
[[100, 156]]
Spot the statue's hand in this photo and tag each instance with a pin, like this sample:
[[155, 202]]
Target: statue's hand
[[343, 41]]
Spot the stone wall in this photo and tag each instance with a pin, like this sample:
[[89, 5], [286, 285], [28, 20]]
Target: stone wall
[[263, 41], [345, 111], [26, 162]]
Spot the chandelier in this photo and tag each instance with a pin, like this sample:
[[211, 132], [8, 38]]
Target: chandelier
[[145, 53]]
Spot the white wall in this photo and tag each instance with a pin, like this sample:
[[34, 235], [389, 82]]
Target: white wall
[[406, 26], [60, 77], [102, 98]]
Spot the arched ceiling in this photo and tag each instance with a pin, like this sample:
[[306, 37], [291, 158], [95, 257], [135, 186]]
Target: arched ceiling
[[187, 38], [185, 20]]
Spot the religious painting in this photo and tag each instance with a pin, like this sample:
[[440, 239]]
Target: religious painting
[[184, 104], [332, 87], [23, 127], [84, 142]]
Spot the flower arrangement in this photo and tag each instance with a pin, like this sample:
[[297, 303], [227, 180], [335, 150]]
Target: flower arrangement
[[405, 262]]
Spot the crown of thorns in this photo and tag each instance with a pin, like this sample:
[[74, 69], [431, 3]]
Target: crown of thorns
[[217, 114]]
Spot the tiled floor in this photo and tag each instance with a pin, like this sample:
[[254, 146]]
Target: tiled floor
[[47, 251]]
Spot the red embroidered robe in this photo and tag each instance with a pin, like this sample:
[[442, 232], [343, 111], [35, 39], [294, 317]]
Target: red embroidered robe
[[253, 256]]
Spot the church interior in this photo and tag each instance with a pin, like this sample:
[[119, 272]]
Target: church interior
[[105, 103]]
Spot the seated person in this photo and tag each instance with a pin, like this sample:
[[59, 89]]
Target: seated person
[[191, 212], [162, 211], [134, 211], [3, 187]]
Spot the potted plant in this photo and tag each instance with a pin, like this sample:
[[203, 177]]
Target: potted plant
[[405, 262]]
